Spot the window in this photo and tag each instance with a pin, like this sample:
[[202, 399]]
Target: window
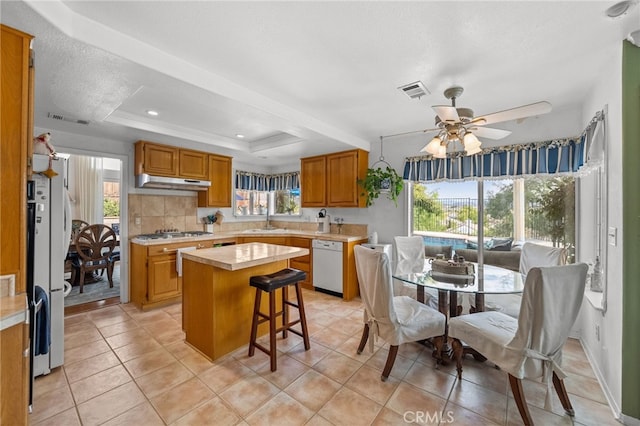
[[259, 194], [537, 209]]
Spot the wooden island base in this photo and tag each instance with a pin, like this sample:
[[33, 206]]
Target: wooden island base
[[217, 304]]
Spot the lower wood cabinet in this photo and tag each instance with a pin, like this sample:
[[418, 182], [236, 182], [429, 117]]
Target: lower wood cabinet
[[154, 278], [14, 386]]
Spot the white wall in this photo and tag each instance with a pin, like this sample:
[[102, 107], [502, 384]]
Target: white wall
[[605, 353]]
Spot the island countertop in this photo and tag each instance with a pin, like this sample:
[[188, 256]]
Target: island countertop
[[242, 256]]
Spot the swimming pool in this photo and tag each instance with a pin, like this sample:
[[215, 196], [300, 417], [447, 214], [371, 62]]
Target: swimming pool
[[456, 243]]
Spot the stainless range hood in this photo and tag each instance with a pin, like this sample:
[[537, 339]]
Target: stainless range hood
[[160, 182]]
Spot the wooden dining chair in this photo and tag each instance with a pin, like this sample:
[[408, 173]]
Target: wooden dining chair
[[396, 319], [531, 346], [94, 244]]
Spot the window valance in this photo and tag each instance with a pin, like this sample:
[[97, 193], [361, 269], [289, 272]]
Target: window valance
[[263, 182], [558, 156]]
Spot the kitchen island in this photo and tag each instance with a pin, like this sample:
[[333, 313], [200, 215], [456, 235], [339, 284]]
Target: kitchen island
[[217, 301]]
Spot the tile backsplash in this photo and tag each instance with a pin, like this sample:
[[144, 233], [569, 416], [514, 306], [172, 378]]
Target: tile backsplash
[[149, 213]]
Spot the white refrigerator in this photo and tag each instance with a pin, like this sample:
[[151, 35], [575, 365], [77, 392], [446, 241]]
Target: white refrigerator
[[52, 236]]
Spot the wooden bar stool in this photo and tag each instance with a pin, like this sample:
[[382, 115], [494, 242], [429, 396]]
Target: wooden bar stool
[[269, 284]]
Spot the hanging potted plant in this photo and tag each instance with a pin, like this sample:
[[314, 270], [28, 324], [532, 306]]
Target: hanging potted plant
[[378, 181]]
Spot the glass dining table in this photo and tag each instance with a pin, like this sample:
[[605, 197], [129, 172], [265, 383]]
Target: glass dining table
[[487, 279]]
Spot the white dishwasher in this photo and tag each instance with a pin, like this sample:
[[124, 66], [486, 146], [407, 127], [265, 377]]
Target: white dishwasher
[[327, 266]]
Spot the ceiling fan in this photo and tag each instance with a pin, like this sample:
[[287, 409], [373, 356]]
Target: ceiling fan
[[458, 125]]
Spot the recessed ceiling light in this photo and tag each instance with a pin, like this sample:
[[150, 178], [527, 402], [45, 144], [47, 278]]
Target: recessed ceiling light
[[239, 136], [152, 112]]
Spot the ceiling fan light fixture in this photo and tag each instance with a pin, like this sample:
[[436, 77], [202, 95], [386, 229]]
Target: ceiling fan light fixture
[[442, 151], [474, 150], [432, 147], [470, 139]]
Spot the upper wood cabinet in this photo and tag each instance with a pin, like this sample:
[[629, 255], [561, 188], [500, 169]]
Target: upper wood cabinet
[[331, 180], [193, 164], [219, 194], [154, 159], [343, 171], [313, 181], [164, 160]]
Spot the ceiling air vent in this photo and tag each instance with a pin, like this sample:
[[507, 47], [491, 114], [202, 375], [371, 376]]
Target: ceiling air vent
[[61, 117], [415, 89]]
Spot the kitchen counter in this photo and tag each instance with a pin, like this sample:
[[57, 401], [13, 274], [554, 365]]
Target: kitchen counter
[[217, 300], [242, 256], [278, 232], [13, 310]]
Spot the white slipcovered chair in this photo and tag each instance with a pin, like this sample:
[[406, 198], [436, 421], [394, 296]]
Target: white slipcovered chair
[[410, 259], [531, 346], [532, 255], [396, 319]]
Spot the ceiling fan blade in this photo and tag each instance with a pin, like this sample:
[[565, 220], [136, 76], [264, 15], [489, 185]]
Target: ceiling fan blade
[[513, 113], [489, 133], [448, 114]]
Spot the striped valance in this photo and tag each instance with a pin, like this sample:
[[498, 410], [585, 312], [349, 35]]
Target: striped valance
[[558, 156], [263, 182]]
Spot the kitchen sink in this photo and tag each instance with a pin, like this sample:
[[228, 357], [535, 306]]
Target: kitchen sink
[[167, 235], [263, 231]]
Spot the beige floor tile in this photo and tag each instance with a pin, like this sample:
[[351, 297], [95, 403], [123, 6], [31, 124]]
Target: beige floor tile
[[178, 401], [318, 420], [213, 412], [127, 337], [248, 394], [97, 384], [81, 338], [350, 349], [68, 417], [388, 417], [378, 360], [337, 366], [585, 387], [50, 404], [350, 408], [347, 326], [136, 349], [590, 413], [309, 357], [255, 362], [539, 416], [87, 367], [164, 379], [107, 320], [408, 398], [149, 362], [225, 374], [110, 404], [535, 393], [281, 410], [457, 415], [78, 319], [430, 380], [484, 374], [367, 382], [179, 349], [121, 327], [170, 336], [330, 338], [313, 389], [482, 401], [142, 414], [89, 350], [289, 369], [52, 381], [196, 362]]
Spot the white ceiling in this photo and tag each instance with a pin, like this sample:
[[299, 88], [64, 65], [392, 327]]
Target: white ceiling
[[305, 78]]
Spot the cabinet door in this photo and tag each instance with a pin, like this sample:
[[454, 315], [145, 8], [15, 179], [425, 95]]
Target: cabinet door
[[193, 164], [160, 160], [14, 377], [313, 172], [219, 194], [343, 171], [163, 278]]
